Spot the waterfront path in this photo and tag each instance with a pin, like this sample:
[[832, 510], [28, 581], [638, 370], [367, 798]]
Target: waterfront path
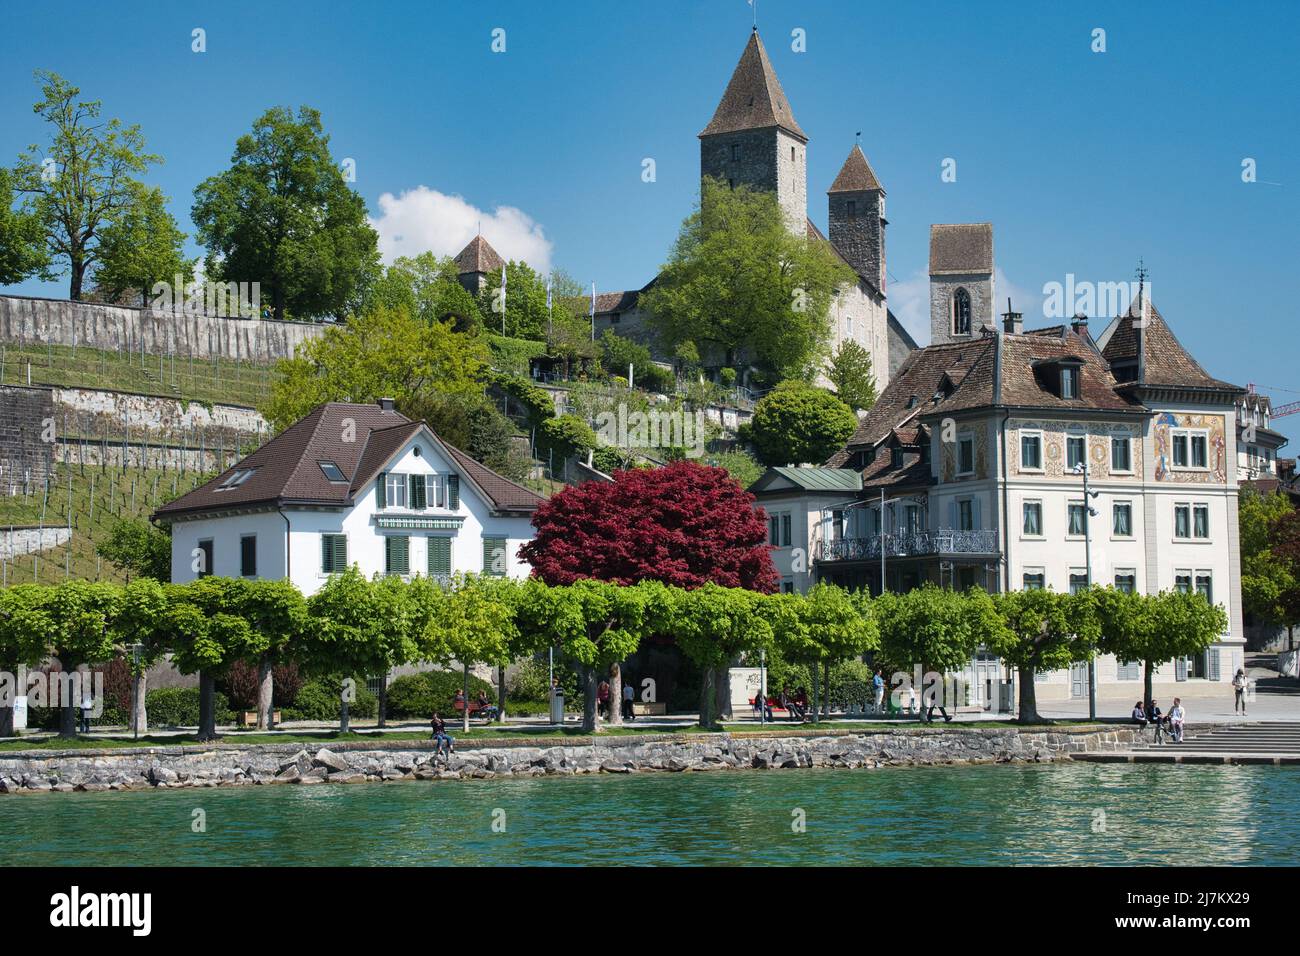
[[1275, 742]]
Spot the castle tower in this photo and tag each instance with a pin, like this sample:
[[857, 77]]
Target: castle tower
[[476, 263], [856, 203], [753, 138], [961, 281]]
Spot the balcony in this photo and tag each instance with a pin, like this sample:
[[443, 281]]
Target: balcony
[[908, 544]]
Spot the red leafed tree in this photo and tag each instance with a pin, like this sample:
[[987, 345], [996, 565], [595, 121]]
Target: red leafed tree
[[684, 524]]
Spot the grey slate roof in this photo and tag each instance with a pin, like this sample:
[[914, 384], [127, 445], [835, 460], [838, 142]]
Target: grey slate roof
[[754, 98], [856, 175], [958, 248]]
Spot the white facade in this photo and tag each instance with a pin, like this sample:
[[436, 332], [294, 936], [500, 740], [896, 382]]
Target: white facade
[[288, 542]]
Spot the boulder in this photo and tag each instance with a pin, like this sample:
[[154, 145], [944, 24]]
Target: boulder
[[331, 761]]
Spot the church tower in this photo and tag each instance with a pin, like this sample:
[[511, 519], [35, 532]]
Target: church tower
[[753, 138], [961, 281], [856, 215]]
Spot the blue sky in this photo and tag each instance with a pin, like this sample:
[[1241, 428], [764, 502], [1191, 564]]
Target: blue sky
[[1084, 162]]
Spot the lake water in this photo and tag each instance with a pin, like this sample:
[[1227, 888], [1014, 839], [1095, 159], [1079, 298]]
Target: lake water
[[992, 815]]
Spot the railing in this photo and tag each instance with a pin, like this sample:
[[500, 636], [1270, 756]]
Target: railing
[[908, 543]]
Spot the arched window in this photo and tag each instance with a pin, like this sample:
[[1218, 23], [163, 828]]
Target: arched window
[[961, 312]]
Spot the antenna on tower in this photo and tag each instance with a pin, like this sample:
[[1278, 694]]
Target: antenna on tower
[[753, 4], [1141, 275]]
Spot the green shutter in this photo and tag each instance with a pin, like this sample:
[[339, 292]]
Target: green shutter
[[494, 557], [325, 555], [417, 493], [380, 502], [439, 556], [397, 548], [453, 492], [333, 553], [340, 548]]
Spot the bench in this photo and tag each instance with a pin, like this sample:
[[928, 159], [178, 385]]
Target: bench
[[475, 708], [248, 718], [772, 705]]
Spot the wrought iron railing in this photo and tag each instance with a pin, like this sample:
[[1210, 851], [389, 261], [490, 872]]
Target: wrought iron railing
[[907, 543]]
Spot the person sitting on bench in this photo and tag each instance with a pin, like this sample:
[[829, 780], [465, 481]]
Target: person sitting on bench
[[485, 707], [1157, 720], [1139, 716]]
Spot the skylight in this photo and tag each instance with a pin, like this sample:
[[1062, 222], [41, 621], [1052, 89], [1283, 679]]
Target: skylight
[[236, 478], [331, 470]]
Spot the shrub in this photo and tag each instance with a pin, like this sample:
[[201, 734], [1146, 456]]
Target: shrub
[[567, 435], [179, 707], [240, 685], [512, 355], [320, 699], [531, 682], [419, 695], [796, 423]]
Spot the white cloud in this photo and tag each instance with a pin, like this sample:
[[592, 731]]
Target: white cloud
[[909, 300], [425, 220]]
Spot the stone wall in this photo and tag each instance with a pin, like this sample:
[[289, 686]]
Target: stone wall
[[24, 457], [18, 541], [361, 761], [121, 329]]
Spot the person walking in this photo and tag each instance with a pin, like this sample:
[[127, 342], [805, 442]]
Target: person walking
[[1239, 682], [629, 695], [878, 685], [87, 705], [602, 699]]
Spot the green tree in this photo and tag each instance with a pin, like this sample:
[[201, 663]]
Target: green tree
[[139, 549], [22, 238], [823, 627], [477, 625], [739, 283], [566, 436], [277, 616], [796, 423], [141, 247], [428, 288], [80, 616], [522, 312], [283, 215], [25, 626], [85, 179], [207, 633], [1270, 576], [141, 628], [1046, 631], [713, 625], [346, 636], [385, 353], [851, 373]]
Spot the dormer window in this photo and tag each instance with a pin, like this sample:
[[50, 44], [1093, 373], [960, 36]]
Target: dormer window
[[896, 457], [1069, 381], [961, 312]]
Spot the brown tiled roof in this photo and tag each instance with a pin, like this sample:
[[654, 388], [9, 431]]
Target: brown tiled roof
[[478, 256], [287, 468], [1021, 386], [1163, 360], [615, 301], [856, 175], [961, 247], [754, 98]]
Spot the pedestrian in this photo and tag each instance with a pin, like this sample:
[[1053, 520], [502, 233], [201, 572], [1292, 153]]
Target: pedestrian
[[442, 738], [1239, 682], [87, 705], [602, 699], [629, 695], [1176, 716], [911, 699], [878, 685]]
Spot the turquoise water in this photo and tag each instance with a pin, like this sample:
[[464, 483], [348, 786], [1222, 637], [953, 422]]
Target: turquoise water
[[984, 815]]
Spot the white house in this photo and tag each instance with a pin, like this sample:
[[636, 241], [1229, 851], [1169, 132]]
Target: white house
[[351, 485]]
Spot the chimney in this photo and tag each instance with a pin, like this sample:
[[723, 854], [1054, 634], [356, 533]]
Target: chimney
[[1013, 322], [386, 405], [1080, 324]]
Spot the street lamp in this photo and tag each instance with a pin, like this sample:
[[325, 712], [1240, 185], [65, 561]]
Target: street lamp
[[1089, 512], [135, 688]]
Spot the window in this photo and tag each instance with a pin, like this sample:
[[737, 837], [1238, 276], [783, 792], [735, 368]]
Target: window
[[1033, 525], [1182, 521], [1191, 448], [792, 154], [787, 586], [966, 515], [1126, 581], [1183, 582], [439, 557], [1031, 452], [1076, 451], [1200, 521], [778, 530], [735, 152], [1180, 451], [961, 312], [395, 491], [1205, 586], [205, 557], [236, 478], [332, 471], [333, 553], [1069, 381], [1122, 523], [966, 455], [1121, 453], [1034, 580], [1078, 518], [248, 555], [896, 457], [851, 209], [1128, 670], [912, 519], [494, 556], [453, 492], [397, 554], [1078, 581], [419, 492], [1200, 457]]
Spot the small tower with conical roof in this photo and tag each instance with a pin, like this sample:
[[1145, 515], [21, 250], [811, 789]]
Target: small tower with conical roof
[[856, 215], [754, 140]]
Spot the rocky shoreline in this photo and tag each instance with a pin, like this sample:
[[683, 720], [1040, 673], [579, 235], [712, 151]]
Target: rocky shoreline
[[223, 764]]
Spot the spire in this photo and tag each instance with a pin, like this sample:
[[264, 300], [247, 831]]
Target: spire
[[754, 98], [856, 175]]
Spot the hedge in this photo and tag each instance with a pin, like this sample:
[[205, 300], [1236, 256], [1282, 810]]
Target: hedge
[[419, 695]]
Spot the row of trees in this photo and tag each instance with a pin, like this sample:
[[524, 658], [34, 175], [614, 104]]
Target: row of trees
[[1270, 560]]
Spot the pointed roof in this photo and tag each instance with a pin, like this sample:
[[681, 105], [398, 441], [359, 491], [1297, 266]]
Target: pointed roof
[[1162, 360], [856, 175], [754, 98], [478, 256]]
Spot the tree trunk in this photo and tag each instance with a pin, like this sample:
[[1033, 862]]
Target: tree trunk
[[69, 718], [817, 698], [1148, 669], [207, 707], [140, 719], [78, 270], [722, 693], [7, 721], [1028, 699], [616, 695], [826, 706], [708, 695], [588, 699], [464, 718], [501, 694], [265, 693], [383, 699]]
